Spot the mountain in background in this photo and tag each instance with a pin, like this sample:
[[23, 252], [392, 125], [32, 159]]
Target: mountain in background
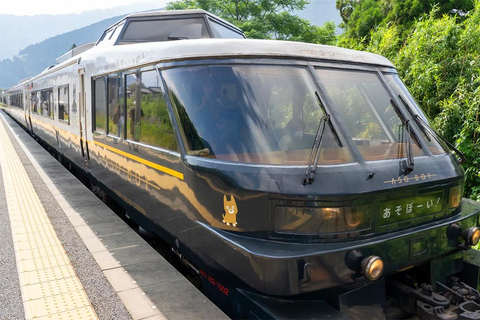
[[17, 32], [35, 58]]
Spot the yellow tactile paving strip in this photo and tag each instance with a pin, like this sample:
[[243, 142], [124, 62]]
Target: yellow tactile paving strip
[[49, 284]]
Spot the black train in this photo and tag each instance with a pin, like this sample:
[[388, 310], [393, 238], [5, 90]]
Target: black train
[[297, 180]]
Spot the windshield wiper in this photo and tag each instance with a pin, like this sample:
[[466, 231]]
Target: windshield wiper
[[408, 128], [317, 144], [410, 164], [425, 127], [414, 116], [329, 120], [315, 153], [177, 38]]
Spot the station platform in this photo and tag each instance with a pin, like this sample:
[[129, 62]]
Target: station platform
[[65, 255]]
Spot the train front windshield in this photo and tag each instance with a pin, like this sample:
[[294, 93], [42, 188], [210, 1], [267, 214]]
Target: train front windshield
[[273, 114]]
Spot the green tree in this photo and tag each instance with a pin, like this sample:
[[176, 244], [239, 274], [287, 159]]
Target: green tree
[[346, 7], [360, 17], [266, 19]]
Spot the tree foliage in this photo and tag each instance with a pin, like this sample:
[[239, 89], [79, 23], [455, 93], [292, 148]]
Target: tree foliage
[[266, 19], [438, 56], [361, 16]]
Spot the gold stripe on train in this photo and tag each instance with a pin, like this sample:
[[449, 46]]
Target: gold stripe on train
[[169, 171]]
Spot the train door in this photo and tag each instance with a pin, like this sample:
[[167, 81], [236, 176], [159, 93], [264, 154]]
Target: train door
[[83, 115]]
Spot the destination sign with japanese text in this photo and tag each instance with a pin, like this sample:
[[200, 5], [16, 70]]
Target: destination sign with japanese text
[[397, 210]]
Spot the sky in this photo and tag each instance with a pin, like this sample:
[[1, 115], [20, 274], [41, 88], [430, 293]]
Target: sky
[[36, 7]]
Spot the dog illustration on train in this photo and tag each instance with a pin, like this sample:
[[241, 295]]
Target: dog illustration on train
[[231, 209]]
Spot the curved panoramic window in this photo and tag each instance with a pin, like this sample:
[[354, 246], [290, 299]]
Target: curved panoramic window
[[252, 114], [370, 115], [164, 29]]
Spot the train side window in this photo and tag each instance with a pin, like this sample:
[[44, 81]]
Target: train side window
[[147, 115], [16, 100], [63, 104], [46, 103], [43, 106], [100, 105], [51, 104], [34, 102], [116, 112]]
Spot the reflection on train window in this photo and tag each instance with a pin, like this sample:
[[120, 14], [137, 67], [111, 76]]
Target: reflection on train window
[[46, 103], [147, 116], [365, 107], [252, 114], [100, 105], [34, 99], [110, 36], [401, 91], [16, 99], [63, 104], [116, 110], [221, 31], [163, 30]]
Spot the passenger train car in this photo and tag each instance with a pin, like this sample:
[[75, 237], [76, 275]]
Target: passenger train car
[[298, 180]]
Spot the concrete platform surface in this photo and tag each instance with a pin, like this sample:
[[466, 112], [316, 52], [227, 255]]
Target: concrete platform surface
[[121, 276]]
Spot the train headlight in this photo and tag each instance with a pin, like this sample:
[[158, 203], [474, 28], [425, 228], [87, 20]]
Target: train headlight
[[372, 267], [321, 220], [455, 197], [471, 236]]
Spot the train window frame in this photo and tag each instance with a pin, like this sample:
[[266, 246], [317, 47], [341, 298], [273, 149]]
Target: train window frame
[[347, 156], [95, 126], [434, 145], [65, 88], [217, 26], [34, 102], [130, 137], [205, 32], [115, 113], [45, 101], [16, 99], [111, 35], [359, 148]]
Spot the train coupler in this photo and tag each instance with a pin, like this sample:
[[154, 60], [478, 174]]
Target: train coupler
[[462, 292], [455, 301], [427, 311]]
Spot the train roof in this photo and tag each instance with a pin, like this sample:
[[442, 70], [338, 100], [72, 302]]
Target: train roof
[[117, 58], [171, 13], [233, 48]]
